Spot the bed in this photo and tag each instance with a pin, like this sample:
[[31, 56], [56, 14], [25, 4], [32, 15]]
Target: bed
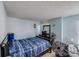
[[29, 47]]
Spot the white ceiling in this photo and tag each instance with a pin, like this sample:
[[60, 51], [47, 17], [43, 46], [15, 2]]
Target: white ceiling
[[42, 10]]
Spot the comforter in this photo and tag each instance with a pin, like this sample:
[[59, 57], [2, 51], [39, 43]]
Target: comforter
[[28, 47]]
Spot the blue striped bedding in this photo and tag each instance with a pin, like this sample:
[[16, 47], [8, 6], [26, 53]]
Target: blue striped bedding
[[28, 47]]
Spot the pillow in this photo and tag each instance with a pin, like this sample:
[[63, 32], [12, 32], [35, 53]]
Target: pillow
[[10, 36]]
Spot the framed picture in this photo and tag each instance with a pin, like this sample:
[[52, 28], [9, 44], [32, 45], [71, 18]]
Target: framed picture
[[34, 25]]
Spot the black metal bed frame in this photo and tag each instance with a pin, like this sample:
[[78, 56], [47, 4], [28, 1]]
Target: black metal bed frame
[[46, 51], [48, 39]]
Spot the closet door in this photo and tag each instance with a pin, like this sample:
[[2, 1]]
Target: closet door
[[71, 29]]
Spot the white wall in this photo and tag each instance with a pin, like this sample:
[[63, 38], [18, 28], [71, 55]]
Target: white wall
[[56, 27], [3, 19], [22, 28]]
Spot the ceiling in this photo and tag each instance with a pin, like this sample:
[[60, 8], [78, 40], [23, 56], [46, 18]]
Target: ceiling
[[40, 10]]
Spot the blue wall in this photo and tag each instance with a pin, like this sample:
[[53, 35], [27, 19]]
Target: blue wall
[[56, 27], [70, 28]]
